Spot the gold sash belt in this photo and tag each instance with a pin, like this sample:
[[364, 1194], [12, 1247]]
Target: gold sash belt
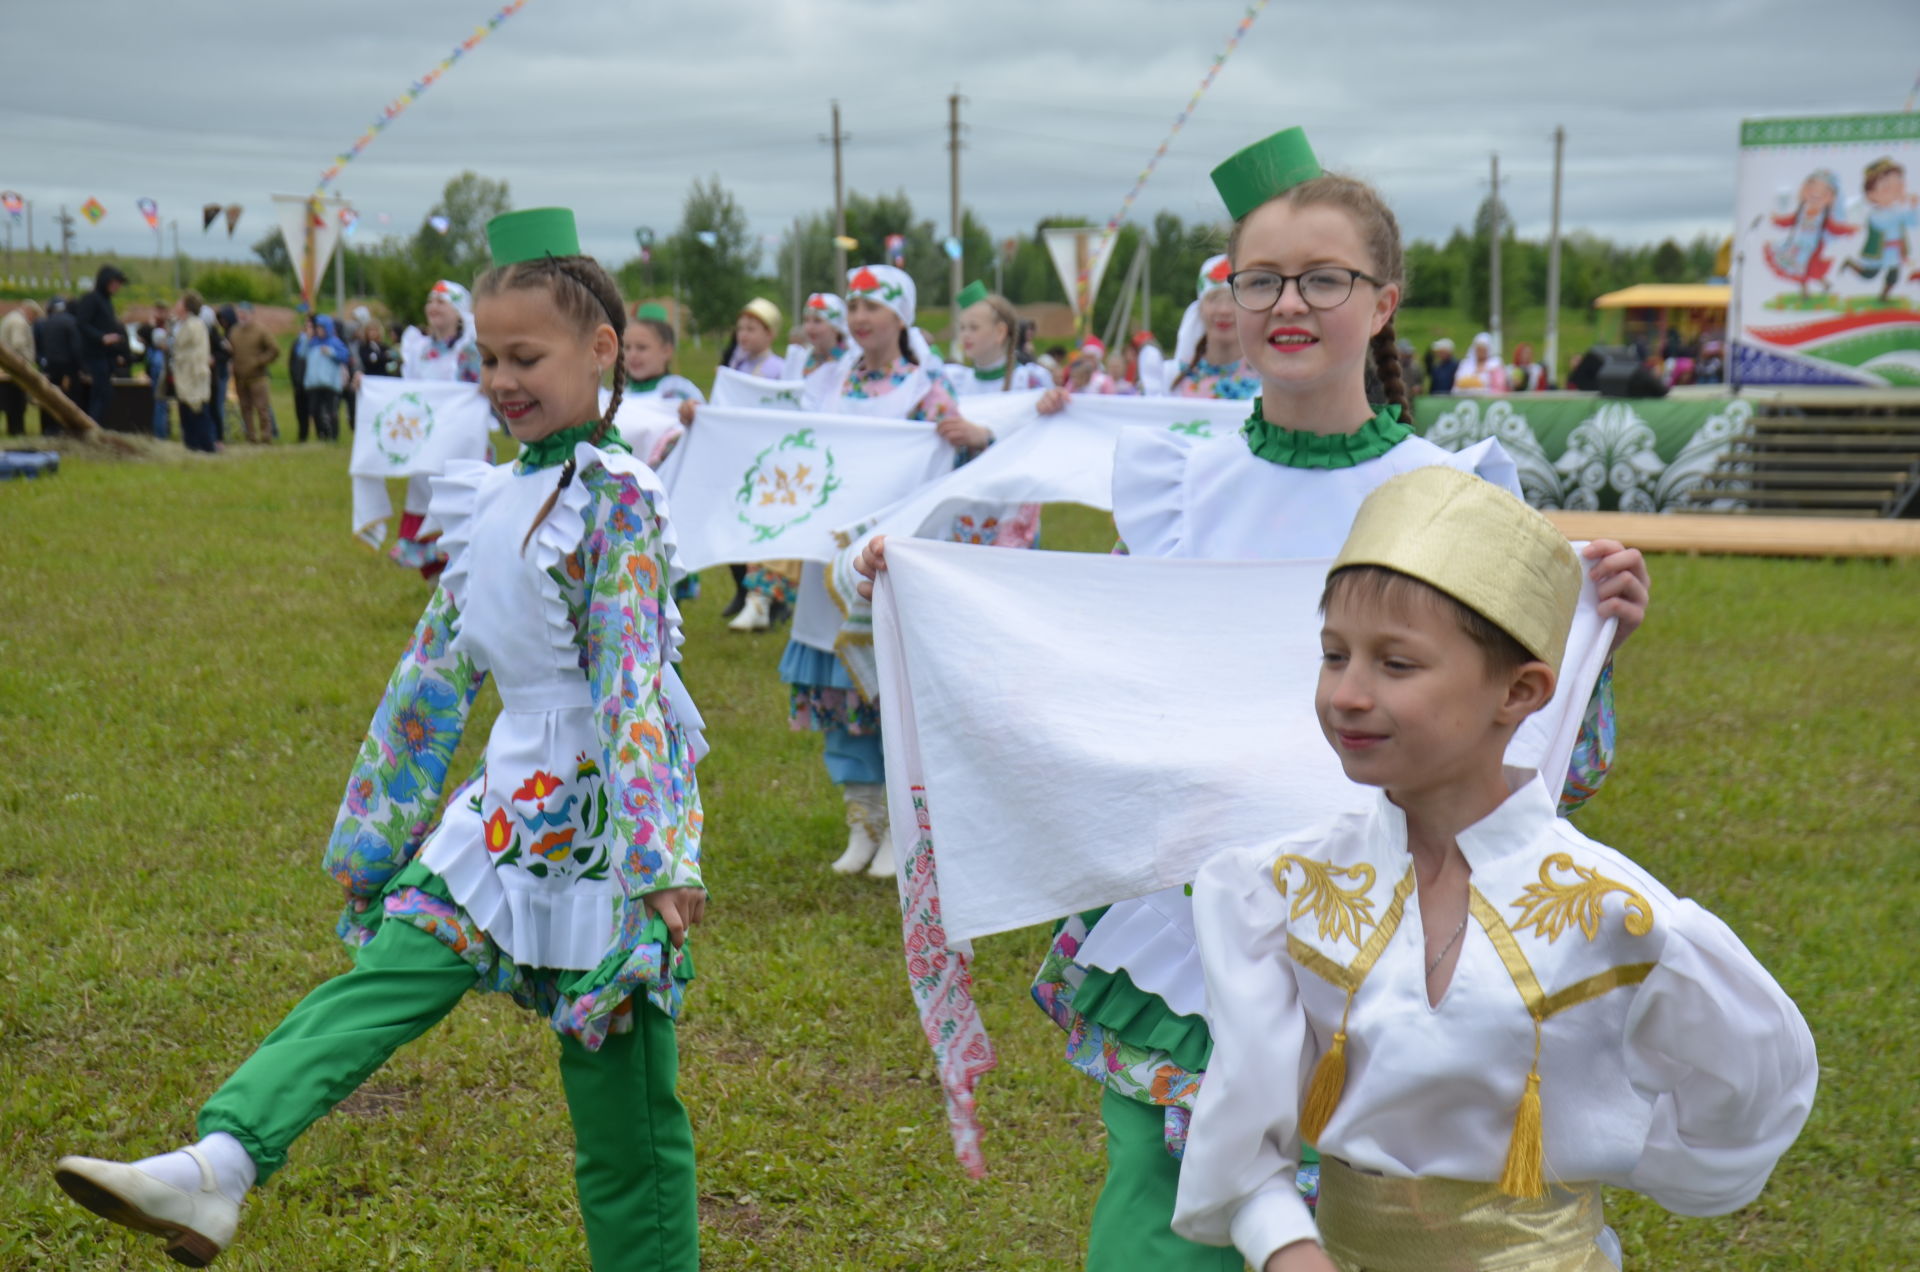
[[1373, 1223]]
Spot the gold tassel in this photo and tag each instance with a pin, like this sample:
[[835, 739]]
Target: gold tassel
[[1525, 1172], [1329, 1080]]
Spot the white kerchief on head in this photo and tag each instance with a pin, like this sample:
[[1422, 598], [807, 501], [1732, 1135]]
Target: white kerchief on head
[[1213, 275], [454, 294], [829, 306], [884, 285]]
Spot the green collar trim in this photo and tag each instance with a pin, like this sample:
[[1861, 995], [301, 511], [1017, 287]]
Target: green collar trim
[[1292, 448], [645, 386], [988, 375], [556, 448]]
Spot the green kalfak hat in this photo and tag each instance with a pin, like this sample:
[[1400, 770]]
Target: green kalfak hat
[[652, 311], [1265, 169], [972, 294], [527, 236]]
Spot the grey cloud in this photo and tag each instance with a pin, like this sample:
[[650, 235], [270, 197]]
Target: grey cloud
[[613, 107]]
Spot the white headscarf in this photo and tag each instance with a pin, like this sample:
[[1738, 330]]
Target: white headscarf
[[884, 285], [1193, 328], [1475, 367], [829, 306]]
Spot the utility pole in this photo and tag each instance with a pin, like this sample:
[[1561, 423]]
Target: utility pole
[[793, 254], [957, 268], [1493, 260], [29, 227], [176, 253], [1553, 262], [839, 204], [66, 246]]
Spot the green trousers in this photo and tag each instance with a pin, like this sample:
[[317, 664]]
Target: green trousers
[[1131, 1221], [633, 1143]]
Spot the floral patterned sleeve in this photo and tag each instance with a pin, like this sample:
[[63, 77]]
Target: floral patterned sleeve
[[939, 403], [401, 769], [628, 644], [468, 367], [1593, 749]]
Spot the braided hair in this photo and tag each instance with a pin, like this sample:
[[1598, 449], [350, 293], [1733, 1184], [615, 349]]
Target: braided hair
[[1003, 313], [585, 294], [1381, 232]]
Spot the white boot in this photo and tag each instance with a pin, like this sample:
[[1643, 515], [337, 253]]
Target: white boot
[[881, 867], [861, 842], [755, 616], [191, 1197]]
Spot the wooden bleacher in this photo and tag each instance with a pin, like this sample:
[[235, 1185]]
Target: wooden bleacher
[[1826, 453]]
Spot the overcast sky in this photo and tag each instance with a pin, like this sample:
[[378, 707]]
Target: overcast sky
[[614, 106]]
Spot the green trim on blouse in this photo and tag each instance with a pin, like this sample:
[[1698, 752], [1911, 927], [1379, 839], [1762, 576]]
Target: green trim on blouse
[[1293, 448], [987, 375], [556, 448], [645, 386]]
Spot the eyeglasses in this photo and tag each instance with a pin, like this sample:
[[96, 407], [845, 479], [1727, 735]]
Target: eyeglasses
[[1324, 288]]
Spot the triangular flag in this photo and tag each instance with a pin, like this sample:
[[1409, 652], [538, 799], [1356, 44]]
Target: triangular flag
[[233, 217], [209, 213]]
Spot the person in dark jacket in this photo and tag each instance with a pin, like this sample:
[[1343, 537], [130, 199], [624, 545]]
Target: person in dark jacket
[[102, 339], [219, 324], [57, 337]]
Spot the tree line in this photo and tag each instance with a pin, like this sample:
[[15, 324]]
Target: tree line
[[714, 262]]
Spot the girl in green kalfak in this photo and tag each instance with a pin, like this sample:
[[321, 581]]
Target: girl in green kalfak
[[565, 873]]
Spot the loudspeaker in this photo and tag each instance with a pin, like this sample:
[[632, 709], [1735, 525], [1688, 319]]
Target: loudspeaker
[[1629, 380]]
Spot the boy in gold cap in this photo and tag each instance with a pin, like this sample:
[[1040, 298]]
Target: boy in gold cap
[[1478, 1014]]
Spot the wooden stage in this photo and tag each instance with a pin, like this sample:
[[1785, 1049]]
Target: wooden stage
[[1717, 534]]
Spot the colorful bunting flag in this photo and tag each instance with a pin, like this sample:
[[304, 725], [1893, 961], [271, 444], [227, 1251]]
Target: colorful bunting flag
[[233, 217], [150, 211], [209, 213], [14, 203], [94, 210], [1179, 121], [393, 109]]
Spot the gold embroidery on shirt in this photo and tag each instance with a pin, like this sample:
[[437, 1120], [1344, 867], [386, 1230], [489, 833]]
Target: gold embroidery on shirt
[[1342, 913], [1350, 978], [1549, 907]]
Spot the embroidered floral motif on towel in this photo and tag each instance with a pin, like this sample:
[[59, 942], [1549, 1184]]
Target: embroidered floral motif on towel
[[942, 990]]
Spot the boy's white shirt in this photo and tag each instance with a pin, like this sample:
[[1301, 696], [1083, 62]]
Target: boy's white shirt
[[1685, 1082]]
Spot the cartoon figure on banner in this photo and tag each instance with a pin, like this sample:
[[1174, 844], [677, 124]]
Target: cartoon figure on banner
[[1892, 214], [1798, 257]]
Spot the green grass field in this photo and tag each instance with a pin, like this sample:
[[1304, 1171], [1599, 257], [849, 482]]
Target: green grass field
[[192, 648]]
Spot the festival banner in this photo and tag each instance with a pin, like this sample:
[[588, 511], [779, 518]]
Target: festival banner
[[94, 210], [209, 213], [1826, 287], [754, 485], [14, 202], [408, 427], [1121, 779], [149, 212], [310, 227], [757, 392]]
